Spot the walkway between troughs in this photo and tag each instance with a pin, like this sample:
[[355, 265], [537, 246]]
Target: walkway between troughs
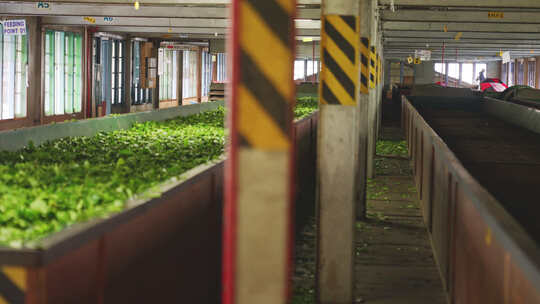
[[394, 260]]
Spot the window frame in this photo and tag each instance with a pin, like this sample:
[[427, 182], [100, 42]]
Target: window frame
[[45, 119], [23, 69], [139, 96]]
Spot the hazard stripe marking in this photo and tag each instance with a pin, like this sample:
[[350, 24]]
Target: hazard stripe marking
[[340, 41], [350, 20], [9, 290], [329, 96], [340, 59], [340, 75], [275, 16], [266, 94], [364, 65], [265, 86]]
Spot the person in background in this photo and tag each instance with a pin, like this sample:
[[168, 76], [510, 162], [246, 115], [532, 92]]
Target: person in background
[[481, 77]]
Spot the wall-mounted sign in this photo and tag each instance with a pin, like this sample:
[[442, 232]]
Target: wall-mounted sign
[[14, 27], [410, 59], [424, 55], [506, 57], [417, 61], [90, 19], [108, 19], [160, 61], [495, 15], [43, 5]]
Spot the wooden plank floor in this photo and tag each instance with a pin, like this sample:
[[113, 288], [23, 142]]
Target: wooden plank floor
[[394, 261]]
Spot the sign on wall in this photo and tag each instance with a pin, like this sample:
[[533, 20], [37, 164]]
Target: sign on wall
[[506, 57], [43, 5], [14, 27], [424, 55], [160, 61], [496, 15]]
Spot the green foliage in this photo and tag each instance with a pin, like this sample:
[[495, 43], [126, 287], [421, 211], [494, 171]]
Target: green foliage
[[47, 188], [395, 148], [305, 107]]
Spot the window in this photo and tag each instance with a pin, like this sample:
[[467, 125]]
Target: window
[[206, 71], [63, 73], [453, 70], [532, 74], [117, 72], [511, 74], [467, 73], [313, 68], [520, 72], [440, 68], [221, 67], [189, 81], [168, 80], [299, 69], [479, 68], [13, 75], [504, 73], [139, 95]]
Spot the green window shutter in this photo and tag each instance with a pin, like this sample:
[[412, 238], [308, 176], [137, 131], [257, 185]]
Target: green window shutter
[[77, 71], [60, 82], [51, 76], [1, 65], [68, 73], [24, 61]]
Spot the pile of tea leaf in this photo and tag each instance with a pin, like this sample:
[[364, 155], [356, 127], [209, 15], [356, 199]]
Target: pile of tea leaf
[[305, 106], [44, 189]]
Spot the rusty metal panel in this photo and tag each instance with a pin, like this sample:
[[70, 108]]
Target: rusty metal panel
[[479, 272], [484, 255]]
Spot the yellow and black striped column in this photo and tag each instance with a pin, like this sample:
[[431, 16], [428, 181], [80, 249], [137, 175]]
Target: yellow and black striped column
[[340, 55], [372, 68], [337, 157], [364, 65], [259, 179], [13, 285]]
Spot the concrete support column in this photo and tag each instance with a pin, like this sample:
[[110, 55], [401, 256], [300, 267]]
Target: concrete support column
[[401, 71], [424, 73], [372, 109], [525, 71], [338, 150], [537, 72], [259, 184], [494, 70], [380, 78]]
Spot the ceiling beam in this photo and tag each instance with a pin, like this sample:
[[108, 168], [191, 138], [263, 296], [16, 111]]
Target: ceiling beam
[[172, 2], [502, 42], [461, 27], [465, 3], [431, 15], [451, 34], [29, 8], [464, 46], [160, 22], [180, 31]]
